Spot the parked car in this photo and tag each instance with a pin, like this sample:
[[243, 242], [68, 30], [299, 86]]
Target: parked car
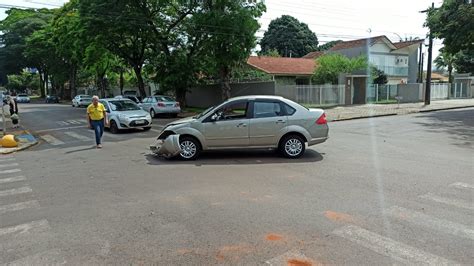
[[22, 98], [132, 93], [52, 99], [161, 105], [133, 98], [125, 114], [81, 101], [249, 122]]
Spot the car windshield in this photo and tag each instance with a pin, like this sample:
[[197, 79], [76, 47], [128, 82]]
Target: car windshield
[[204, 113], [164, 99], [123, 106]]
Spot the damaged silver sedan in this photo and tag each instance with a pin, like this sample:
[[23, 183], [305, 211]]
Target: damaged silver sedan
[[248, 122]]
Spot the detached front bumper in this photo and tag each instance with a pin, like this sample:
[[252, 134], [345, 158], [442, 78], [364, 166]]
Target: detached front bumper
[[168, 147]]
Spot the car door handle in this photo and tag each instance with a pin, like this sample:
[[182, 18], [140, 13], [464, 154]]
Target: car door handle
[[280, 121], [242, 125]]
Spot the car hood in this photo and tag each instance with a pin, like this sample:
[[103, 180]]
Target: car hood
[[133, 113], [182, 121]]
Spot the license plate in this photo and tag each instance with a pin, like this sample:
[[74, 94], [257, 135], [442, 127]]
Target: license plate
[[140, 122]]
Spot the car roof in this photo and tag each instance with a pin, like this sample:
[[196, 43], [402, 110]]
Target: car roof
[[260, 97], [84, 95], [115, 99]]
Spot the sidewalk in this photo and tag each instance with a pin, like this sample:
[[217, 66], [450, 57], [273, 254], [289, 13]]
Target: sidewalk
[[374, 110], [25, 139]]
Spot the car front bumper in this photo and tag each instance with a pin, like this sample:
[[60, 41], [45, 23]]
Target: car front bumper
[[168, 110], [167, 148], [135, 123]]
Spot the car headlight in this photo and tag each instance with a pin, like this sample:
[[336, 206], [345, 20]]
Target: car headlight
[[148, 116]]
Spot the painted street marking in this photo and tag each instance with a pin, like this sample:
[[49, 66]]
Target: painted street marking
[[15, 191], [453, 202], [12, 179], [7, 159], [41, 225], [388, 247], [63, 123], [75, 122], [57, 129], [52, 140], [49, 257], [10, 171], [290, 255], [424, 220], [155, 130], [77, 136], [462, 185], [8, 165], [19, 206]]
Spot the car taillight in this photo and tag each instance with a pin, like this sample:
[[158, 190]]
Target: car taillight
[[322, 120], [176, 105], [161, 105]]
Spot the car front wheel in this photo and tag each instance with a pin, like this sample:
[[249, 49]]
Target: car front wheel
[[190, 148], [113, 127], [152, 113], [292, 146]]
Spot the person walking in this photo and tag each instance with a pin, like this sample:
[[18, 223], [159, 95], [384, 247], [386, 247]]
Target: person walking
[[97, 118]]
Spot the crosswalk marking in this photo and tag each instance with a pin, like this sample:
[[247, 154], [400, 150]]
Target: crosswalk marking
[[389, 247], [448, 201], [10, 171], [58, 129], [462, 185], [77, 136], [49, 257], [422, 219], [40, 225], [15, 191], [19, 206], [12, 179], [75, 122], [8, 165], [62, 123], [52, 140], [7, 159]]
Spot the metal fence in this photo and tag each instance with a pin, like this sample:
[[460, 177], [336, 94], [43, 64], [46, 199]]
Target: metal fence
[[319, 95], [439, 91], [381, 93], [459, 90]]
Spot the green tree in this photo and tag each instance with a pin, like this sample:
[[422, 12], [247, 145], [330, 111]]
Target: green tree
[[22, 82], [289, 37], [270, 53], [378, 76], [328, 45], [446, 60], [331, 65]]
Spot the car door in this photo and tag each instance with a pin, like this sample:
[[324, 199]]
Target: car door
[[145, 104], [230, 128], [267, 123]]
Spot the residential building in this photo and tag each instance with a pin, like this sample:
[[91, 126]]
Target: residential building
[[285, 70]]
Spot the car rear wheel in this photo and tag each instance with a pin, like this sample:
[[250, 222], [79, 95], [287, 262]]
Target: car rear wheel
[[292, 146], [152, 113], [146, 128], [113, 127], [190, 148]]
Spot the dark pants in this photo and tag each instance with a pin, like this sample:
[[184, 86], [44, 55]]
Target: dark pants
[[98, 126]]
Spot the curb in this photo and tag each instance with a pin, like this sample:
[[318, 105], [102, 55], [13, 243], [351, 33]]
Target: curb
[[394, 114], [26, 146]]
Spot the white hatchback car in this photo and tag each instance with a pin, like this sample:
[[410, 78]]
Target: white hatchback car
[[81, 101], [125, 114]]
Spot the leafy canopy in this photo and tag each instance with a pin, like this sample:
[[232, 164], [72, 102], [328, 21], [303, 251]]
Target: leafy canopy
[[329, 67]]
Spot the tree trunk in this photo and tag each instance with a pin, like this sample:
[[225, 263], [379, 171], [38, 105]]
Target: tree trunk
[[225, 82], [450, 71], [101, 84], [181, 97], [121, 81], [72, 81], [46, 81], [41, 85], [141, 84]]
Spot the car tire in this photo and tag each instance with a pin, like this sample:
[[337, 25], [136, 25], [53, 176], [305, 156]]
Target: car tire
[[152, 113], [292, 146], [174, 115], [113, 127], [146, 128], [191, 148]]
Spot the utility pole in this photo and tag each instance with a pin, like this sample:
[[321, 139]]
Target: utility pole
[[430, 58]]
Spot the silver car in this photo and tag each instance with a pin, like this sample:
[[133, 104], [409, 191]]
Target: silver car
[[255, 122], [22, 98], [125, 114], [161, 105], [81, 101]]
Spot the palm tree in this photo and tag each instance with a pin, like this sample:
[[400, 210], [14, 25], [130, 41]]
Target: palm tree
[[444, 60]]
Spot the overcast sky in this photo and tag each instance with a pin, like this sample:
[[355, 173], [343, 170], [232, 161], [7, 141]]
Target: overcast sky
[[330, 20]]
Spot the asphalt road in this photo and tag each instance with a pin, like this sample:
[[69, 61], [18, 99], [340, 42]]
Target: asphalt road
[[379, 191]]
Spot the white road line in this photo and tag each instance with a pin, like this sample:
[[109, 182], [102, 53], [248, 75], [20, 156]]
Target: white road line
[[10, 171], [74, 122], [155, 130], [8, 165], [19, 206], [58, 129], [7, 159], [386, 246], [52, 140], [462, 185], [40, 225], [15, 191], [77, 136], [469, 205], [424, 220], [12, 179], [62, 123], [49, 257]]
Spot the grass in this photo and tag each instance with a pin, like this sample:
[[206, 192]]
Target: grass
[[383, 101], [194, 110]]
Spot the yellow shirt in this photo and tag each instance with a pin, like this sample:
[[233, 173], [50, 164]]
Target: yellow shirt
[[96, 113]]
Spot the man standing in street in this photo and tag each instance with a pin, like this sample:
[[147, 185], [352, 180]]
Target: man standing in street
[[97, 118]]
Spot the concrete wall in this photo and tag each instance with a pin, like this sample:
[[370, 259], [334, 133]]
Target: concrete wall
[[209, 95], [410, 93]]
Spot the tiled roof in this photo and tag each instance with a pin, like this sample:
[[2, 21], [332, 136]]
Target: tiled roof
[[400, 45], [283, 65], [358, 43], [313, 55]]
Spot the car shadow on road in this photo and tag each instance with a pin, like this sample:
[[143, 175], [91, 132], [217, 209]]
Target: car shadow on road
[[459, 124], [237, 157]]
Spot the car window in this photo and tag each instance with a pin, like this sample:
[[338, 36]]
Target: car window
[[105, 105], [288, 109], [164, 99], [267, 109], [123, 105], [145, 100], [234, 111]]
